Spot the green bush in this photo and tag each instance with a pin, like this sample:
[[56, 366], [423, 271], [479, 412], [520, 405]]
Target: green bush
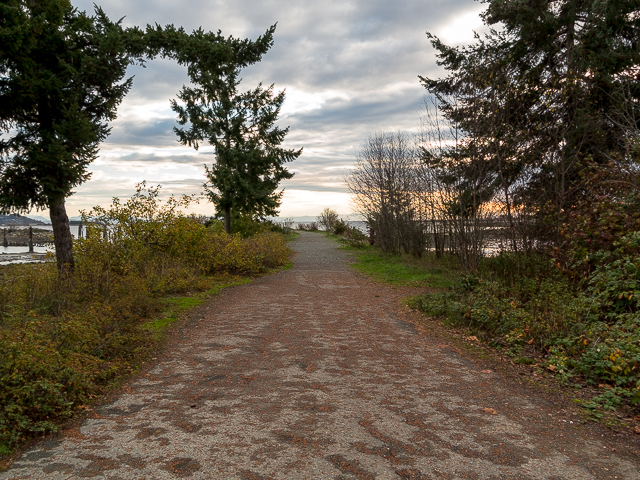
[[247, 226], [588, 331], [339, 227], [350, 235], [63, 339]]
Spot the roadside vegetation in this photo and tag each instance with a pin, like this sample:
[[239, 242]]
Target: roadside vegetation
[[525, 169], [67, 333], [585, 333], [66, 339], [529, 311]]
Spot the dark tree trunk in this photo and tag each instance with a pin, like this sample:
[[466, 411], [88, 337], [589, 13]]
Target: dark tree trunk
[[61, 236], [227, 219]]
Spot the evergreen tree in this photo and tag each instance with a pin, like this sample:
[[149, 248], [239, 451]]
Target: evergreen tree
[[538, 96], [249, 161], [61, 79], [62, 76]]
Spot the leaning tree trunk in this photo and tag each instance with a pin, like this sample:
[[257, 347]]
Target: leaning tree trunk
[[61, 236]]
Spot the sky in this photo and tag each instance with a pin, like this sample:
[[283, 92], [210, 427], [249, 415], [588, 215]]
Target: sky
[[350, 69]]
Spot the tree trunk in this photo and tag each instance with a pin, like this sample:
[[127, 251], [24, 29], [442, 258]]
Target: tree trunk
[[227, 219], [61, 236]]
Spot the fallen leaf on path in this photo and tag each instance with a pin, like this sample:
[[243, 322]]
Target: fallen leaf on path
[[552, 368], [472, 338], [487, 371], [530, 342], [490, 411], [442, 346]]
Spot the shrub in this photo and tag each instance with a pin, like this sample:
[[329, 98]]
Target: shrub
[[350, 235], [327, 219], [339, 227], [589, 331], [247, 226], [309, 227], [63, 339]]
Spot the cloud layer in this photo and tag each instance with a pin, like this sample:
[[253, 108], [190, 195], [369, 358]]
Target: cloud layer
[[350, 69]]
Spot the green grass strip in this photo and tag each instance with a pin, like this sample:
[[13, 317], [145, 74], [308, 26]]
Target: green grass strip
[[403, 270]]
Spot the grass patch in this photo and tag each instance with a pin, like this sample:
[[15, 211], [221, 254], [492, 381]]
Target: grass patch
[[402, 271], [428, 271]]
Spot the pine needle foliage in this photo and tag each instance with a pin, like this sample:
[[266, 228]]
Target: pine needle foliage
[[241, 126]]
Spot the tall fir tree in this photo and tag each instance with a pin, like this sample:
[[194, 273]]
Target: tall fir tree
[[538, 96], [249, 163], [61, 80], [62, 76]]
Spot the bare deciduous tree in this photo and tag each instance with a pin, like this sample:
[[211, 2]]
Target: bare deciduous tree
[[385, 187], [327, 219]]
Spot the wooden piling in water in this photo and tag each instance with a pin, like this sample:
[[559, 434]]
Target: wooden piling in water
[[30, 239]]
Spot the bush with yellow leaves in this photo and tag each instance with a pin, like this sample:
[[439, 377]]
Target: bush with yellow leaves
[[63, 338]]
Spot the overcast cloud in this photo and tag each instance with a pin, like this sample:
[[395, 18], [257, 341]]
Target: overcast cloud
[[350, 68]]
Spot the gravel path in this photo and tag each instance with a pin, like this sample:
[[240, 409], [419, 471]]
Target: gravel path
[[313, 373]]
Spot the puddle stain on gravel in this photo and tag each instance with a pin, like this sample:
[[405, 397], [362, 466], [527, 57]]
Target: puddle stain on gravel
[[297, 377], [351, 467], [182, 467]]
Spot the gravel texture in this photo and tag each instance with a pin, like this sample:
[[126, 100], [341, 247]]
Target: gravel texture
[[316, 373]]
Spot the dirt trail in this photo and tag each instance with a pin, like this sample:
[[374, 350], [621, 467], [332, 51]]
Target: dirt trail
[[312, 373]]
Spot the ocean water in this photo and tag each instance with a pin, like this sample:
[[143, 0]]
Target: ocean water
[[15, 250], [360, 225], [73, 228], [12, 254]]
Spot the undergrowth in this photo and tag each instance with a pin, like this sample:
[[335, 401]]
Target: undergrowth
[[585, 332], [427, 271], [64, 339]]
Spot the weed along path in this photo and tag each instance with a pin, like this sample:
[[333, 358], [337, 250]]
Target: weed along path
[[313, 373]]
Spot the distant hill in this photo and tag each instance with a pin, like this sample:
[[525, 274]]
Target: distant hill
[[17, 220], [41, 218], [311, 218]]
